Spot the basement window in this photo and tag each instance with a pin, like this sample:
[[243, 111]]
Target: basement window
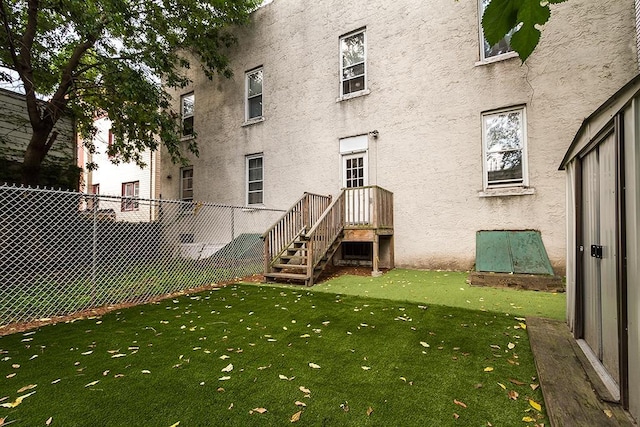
[[357, 251]]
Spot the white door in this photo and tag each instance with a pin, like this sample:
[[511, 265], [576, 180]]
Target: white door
[[354, 177]]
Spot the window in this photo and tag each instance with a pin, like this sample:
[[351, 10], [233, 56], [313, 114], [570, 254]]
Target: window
[[187, 104], [500, 48], [130, 191], [504, 148], [352, 63], [110, 141], [255, 179], [186, 184], [254, 94]]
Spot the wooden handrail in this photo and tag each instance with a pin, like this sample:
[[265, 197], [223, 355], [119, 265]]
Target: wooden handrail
[[323, 234], [300, 217]]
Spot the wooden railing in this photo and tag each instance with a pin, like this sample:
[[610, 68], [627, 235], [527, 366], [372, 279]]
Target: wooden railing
[[369, 207], [301, 217], [324, 233]]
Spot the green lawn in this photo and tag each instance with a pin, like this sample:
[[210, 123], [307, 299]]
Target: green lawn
[[218, 357], [448, 288]]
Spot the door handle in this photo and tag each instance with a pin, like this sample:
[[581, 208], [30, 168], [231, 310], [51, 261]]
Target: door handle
[[596, 251]]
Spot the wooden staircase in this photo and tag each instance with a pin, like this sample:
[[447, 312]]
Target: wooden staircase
[[299, 246]]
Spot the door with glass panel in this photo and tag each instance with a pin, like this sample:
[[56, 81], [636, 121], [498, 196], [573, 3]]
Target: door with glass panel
[[354, 178]]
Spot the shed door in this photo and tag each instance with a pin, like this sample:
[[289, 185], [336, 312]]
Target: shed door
[[600, 255]]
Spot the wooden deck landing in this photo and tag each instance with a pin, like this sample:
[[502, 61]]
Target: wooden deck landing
[[568, 382]]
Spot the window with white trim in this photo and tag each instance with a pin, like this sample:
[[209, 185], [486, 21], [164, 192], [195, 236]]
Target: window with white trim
[[255, 179], [187, 108], [186, 184], [502, 47], [504, 148], [253, 90], [130, 192], [353, 68]]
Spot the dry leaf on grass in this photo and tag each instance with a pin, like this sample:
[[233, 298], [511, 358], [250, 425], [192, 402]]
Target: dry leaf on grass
[[314, 366], [534, 387], [304, 390], [535, 405], [92, 383], [17, 401], [513, 395], [459, 403], [516, 382], [27, 387], [302, 404], [49, 421], [227, 368], [296, 417], [258, 410], [175, 424], [369, 411], [488, 369]]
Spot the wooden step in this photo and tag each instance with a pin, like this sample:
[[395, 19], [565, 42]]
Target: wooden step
[[291, 266], [301, 258], [300, 249], [286, 276]]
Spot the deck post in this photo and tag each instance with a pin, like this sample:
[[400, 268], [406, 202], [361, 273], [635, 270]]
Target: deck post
[[376, 255]]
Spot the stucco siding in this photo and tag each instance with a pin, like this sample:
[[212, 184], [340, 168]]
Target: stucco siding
[[427, 93]]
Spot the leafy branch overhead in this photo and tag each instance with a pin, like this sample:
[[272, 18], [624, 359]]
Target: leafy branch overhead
[[114, 57], [526, 16]]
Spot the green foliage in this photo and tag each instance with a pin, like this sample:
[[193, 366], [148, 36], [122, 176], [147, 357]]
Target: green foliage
[[116, 57], [501, 16]]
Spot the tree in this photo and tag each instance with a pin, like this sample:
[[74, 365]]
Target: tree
[[501, 16], [115, 57]]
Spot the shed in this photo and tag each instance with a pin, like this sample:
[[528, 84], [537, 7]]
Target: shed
[[603, 247]]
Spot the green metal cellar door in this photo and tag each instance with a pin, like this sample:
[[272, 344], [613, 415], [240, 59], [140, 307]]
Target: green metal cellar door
[[511, 252]]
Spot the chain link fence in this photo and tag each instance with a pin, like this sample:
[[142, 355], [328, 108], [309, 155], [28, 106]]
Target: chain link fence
[[64, 252]]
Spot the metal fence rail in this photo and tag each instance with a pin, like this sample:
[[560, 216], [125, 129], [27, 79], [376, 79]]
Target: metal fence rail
[[64, 252]]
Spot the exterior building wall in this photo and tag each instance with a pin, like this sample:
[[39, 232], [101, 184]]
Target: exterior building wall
[[15, 133], [427, 91], [111, 176]]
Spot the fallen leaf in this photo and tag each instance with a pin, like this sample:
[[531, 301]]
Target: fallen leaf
[[534, 387], [49, 421], [516, 382], [304, 390], [175, 425], [146, 371], [2, 421], [86, 353], [528, 419], [504, 387], [488, 369], [369, 411], [27, 387], [230, 406], [258, 410], [11, 375], [457, 402], [535, 405], [522, 325], [314, 366], [228, 368], [223, 357], [115, 356], [17, 401], [224, 378], [513, 395], [366, 368], [15, 366], [511, 346], [298, 403], [424, 344], [608, 413], [296, 417], [456, 416], [283, 377], [305, 336], [92, 383]]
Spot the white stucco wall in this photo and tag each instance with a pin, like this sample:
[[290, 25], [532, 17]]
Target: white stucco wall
[[110, 176], [427, 93]]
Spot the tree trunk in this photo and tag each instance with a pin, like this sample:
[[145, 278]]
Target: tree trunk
[[33, 157]]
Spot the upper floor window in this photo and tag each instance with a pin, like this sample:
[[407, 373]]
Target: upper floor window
[[353, 63], [130, 192], [187, 104], [186, 184], [504, 148], [255, 179], [253, 94], [486, 50]]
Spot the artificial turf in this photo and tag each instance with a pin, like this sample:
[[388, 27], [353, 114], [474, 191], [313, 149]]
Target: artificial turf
[[449, 288], [219, 357]]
